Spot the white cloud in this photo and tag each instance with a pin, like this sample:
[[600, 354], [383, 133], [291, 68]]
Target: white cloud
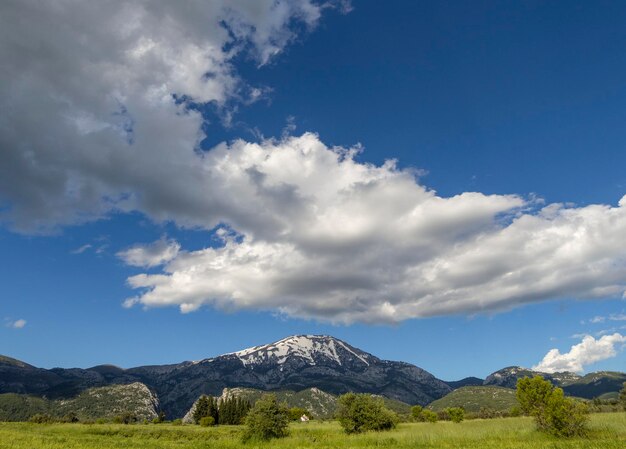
[[82, 249], [588, 351], [88, 125], [18, 324], [319, 235], [597, 319], [154, 254], [88, 121]]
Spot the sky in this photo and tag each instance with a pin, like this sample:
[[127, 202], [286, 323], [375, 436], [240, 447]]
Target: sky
[[440, 183]]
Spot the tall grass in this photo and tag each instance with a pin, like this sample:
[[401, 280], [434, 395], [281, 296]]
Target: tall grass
[[608, 431]]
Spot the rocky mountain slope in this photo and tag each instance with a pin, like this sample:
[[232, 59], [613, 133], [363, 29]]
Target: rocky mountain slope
[[294, 363], [589, 386], [101, 402]]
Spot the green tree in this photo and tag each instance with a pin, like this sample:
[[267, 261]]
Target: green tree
[[622, 397], [362, 412], [553, 412], [295, 413], [429, 416], [202, 408], [416, 413], [456, 414], [267, 419]]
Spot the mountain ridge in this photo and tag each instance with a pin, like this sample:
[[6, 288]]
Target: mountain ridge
[[294, 363]]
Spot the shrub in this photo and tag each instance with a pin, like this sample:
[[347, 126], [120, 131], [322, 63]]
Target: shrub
[[207, 421], [267, 419], [41, 418], [362, 412], [553, 412], [456, 414], [416, 413], [177, 422], [160, 418], [295, 413], [429, 416], [125, 418], [622, 397]]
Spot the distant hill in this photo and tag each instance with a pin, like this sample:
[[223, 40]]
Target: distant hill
[[320, 404], [590, 386], [102, 402], [296, 364], [473, 398], [466, 382]]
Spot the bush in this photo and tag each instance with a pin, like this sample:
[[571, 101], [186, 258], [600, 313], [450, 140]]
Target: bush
[[207, 421], [177, 422], [553, 412], [267, 419], [41, 418], [160, 418], [295, 413], [420, 414], [362, 412], [125, 418], [455, 414], [622, 397], [429, 416]]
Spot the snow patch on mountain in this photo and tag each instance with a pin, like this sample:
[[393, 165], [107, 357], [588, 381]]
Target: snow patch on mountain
[[312, 348]]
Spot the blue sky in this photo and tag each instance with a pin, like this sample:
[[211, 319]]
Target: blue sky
[[522, 104]]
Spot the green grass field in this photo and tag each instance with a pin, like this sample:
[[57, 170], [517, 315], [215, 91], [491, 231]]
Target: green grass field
[[607, 431]]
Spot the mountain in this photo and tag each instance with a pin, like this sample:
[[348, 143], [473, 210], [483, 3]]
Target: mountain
[[473, 399], [295, 363], [507, 377], [465, 382], [590, 386]]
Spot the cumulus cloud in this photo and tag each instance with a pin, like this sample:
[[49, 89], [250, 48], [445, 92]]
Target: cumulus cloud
[[96, 116], [313, 233], [17, 324], [154, 254], [95, 96], [588, 351]]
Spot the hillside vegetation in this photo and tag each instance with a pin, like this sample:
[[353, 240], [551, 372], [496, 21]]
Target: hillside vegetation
[[103, 402], [473, 399], [608, 431]]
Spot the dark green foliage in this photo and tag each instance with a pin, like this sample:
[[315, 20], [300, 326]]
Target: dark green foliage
[[125, 418], [267, 419], [17, 407], [295, 413], [553, 412], [206, 406], [177, 422], [70, 418], [362, 412], [41, 418], [206, 421], [622, 396], [233, 410], [160, 418]]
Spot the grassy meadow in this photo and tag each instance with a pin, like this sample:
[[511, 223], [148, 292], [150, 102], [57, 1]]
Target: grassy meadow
[[608, 431]]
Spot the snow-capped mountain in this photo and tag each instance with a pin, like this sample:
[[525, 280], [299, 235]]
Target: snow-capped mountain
[[311, 349]]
